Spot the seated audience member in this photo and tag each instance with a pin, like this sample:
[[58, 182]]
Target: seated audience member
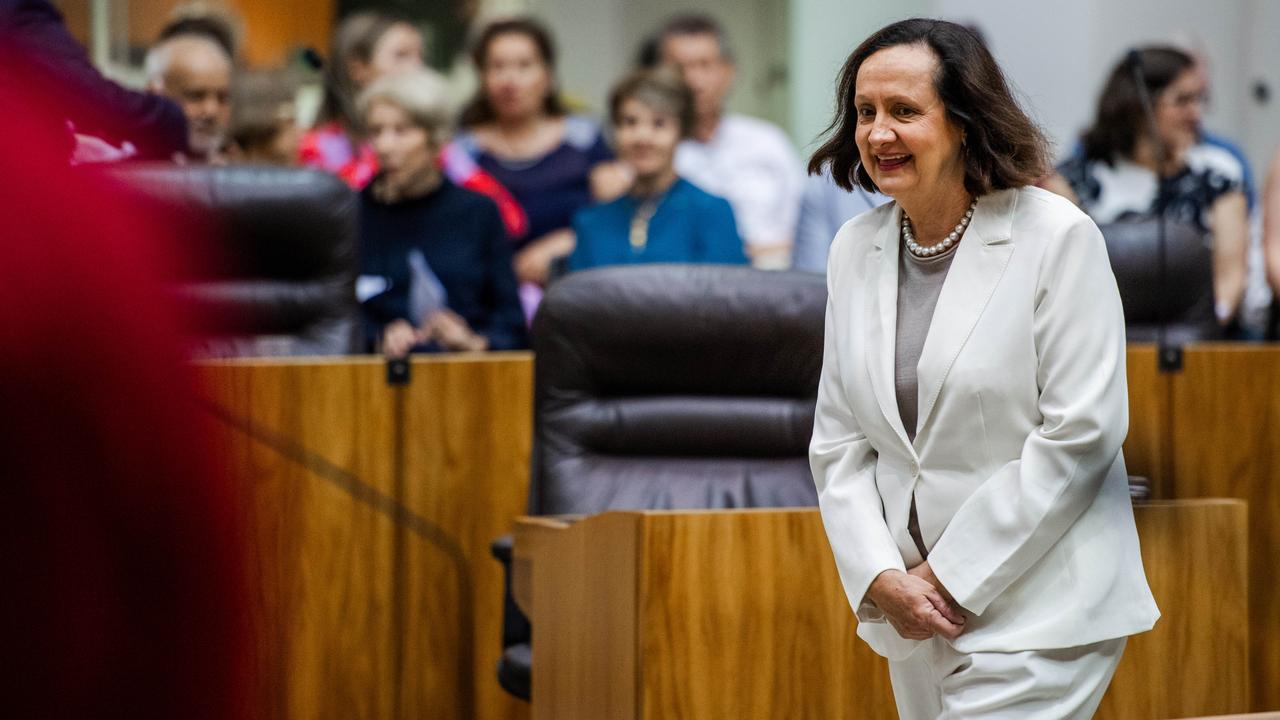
[[37, 51], [436, 264], [194, 70], [1271, 238], [366, 47], [1226, 155], [1116, 175], [199, 18], [747, 161], [264, 126], [518, 130], [662, 218], [1194, 46], [823, 209]]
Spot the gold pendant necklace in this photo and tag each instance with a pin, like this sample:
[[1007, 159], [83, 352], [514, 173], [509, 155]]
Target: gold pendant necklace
[[640, 223]]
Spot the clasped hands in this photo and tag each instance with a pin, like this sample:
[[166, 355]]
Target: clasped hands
[[444, 326], [916, 604]]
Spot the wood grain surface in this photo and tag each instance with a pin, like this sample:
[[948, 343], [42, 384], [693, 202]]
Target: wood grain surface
[[1225, 444], [372, 508], [1196, 659], [585, 651], [740, 614], [1146, 450]]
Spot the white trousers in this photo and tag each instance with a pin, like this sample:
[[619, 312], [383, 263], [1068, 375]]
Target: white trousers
[[938, 683]]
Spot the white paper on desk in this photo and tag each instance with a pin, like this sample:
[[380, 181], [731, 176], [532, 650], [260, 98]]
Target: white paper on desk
[[426, 295], [368, 286]]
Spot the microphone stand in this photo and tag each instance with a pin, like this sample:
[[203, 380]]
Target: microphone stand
[[1168, 355]]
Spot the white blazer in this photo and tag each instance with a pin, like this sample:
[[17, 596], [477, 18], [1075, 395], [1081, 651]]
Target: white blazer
[[1020, 486]]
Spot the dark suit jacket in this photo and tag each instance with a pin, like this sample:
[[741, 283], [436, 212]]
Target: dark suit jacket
[[38, 54]]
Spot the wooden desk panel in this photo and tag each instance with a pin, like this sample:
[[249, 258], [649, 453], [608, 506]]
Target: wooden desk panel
[[372, 509], [1146, 450], [1226, 443], [468, 431], [1195, 553], [741, 614], [323, 559]]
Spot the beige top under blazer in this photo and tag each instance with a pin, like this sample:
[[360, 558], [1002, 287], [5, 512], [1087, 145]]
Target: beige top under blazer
[[1020, 484]]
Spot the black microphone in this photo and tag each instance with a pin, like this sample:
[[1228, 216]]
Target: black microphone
[[1168, 355]]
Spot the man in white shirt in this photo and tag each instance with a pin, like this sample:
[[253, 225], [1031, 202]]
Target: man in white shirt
[[749, 162]]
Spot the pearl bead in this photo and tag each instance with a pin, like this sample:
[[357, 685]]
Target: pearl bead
[[953, 237]]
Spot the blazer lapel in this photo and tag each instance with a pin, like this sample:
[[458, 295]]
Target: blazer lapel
[[882, 302], [979, 264]]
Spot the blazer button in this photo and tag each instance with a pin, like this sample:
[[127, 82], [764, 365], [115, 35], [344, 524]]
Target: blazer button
[[915, 469]]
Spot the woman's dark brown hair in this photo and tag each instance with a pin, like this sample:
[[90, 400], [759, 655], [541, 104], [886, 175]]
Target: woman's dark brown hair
[[1120, 119], [660, 89], [479, 110], [1003, 148]]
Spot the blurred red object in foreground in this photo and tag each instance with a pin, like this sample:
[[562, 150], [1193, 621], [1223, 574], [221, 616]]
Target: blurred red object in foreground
[[121, 546]]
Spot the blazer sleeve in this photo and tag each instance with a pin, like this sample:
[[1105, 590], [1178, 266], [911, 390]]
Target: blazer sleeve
[[844, 470], [1013, 518], [59, 65]]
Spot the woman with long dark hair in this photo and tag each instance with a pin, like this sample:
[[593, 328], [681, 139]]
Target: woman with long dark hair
[[1126, 167]]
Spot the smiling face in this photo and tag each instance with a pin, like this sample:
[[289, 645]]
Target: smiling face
[[515, 76], [1179, 109], [907, 143], [647, 138]]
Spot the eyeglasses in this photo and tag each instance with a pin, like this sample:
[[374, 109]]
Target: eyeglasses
[[1185, 100]]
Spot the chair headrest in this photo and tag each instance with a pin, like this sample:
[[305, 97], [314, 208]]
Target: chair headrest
[[1134, 249], [672, 329], [267, 222]]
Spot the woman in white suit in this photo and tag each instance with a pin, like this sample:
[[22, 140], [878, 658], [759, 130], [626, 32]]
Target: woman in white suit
[[966, 444]]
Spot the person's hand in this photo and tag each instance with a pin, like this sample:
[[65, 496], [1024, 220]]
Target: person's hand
[[533, 263], [915, 608], [925, 572], [398, 337], [609, 180], [452, 332]]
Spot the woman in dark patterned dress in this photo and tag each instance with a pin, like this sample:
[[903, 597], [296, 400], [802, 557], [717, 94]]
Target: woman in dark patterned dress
[[1114, 175]]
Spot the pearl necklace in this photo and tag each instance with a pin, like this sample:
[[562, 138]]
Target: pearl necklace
[[952, 238]]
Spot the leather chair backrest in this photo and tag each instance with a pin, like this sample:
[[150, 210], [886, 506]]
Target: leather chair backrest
[[1187, 298], [272, 255], [676, 386]]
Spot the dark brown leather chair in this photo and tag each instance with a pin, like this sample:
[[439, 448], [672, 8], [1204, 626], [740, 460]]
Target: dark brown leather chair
[[670, 386], [1186, 302], [271, 255]]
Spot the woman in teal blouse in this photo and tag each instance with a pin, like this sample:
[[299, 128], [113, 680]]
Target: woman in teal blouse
[[663, 218]]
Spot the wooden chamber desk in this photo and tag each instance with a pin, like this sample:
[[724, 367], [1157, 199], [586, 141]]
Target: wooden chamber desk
[[1213, 430], [740, 614], [371, 511], [372, 508]]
